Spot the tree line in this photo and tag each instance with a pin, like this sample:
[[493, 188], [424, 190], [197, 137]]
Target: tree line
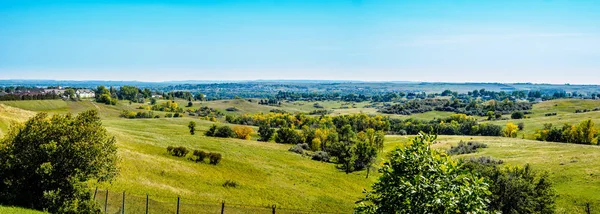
[[583, 133]]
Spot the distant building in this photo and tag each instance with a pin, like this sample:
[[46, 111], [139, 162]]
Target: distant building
[[55, 91], [85, 93], [157, 96], [2, 93], [538, 100]]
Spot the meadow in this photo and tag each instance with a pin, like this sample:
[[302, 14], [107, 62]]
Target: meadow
[[268, 174]]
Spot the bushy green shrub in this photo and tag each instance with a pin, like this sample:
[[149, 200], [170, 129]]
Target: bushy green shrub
[[214, 158], [224, 131], [320, 156], [466, 148], [179, 151], [200, 155]]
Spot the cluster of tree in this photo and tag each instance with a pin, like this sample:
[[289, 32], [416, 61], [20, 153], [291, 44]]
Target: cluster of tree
[[550, 114], [419, 179], [176, 114], [457, 124], [205, 111], [197, 156], [583, 133], [240, 132], [586, 110], [359, 122], [47, 96], [469, 107], [106, 96], [320, 112], [47, 163], [168, 106], [270, 102], [133, 114]]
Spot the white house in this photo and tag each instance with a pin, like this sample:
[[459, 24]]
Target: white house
[[85, 93]]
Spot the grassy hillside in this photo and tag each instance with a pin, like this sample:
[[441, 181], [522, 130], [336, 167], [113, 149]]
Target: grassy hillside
[[573, 168], [267, 172], [565, 109], [9, 115]]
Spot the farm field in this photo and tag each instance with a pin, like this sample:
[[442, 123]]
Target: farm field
[[268, 174]]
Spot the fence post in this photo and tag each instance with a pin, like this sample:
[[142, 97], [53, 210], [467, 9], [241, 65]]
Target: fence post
[[146, 203], [587, 208], [106, 201], [223, 207], [274, 206], [177, 204], [123, 205], [95, 192]]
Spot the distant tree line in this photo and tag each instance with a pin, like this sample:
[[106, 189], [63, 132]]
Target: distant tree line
[[583, 133], [468, 107]]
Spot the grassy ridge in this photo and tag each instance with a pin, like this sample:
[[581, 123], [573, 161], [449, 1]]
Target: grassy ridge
[[9, 115], [19, 210]]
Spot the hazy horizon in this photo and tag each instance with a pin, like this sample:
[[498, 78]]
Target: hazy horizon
[[553, 42]]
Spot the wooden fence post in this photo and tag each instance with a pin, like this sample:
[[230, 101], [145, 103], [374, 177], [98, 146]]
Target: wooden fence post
[[177, 204], [106, 201], [223, 207], [274, 206], [123, 205], [587, 208], [146, 203]]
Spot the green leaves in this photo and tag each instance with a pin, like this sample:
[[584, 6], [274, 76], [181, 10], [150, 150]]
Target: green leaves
[[418, 179], [45, 163]]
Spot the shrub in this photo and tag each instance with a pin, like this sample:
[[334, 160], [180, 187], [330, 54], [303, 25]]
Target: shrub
[[521, 126], [168, 115], [179, 151], [320, 156], [176, 114], [200, 155], [214, 158], [485, 160], [231, 109], [550, 114], [211, 131], [297, 149], [170, 149], [265, 132], [465, 148], [230, 183], [517, 115], [224, 131], [304, 146], [288, 135], [243, 132]]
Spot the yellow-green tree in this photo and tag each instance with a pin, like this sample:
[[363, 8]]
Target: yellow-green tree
[[242, 132], [511, 130]]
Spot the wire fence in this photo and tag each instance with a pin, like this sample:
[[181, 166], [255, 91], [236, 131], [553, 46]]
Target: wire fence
[[115, 202]]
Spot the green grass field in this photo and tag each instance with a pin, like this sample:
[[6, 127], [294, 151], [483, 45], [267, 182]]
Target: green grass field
[[18, 210], [270, 175]]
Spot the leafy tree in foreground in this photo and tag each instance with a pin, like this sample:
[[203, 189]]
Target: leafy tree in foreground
[[419, 179], [47, 162], [265, 133]]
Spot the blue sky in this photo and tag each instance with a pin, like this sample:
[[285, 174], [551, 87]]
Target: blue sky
[[550, 41]]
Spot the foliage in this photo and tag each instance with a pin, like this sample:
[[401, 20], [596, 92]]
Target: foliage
[[230, 183], [192, 127], [517, 115], [224, 131], [320, 156], [297, 149], [133, 114], [510, 130], [265, 133], [418, 179], [179, 151], [47, 162], [211, 131], [516, 189], [464, 106], [457, 124], [288, 136], [199, 155], [465, 148], [243, 132], [214, 158], [583, 133]]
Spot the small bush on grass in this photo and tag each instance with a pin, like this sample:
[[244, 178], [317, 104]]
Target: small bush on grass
[[320, 156], [214, 158], [466, 148], [199, 155], [297, 149], [178, 151], [230, 183]]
